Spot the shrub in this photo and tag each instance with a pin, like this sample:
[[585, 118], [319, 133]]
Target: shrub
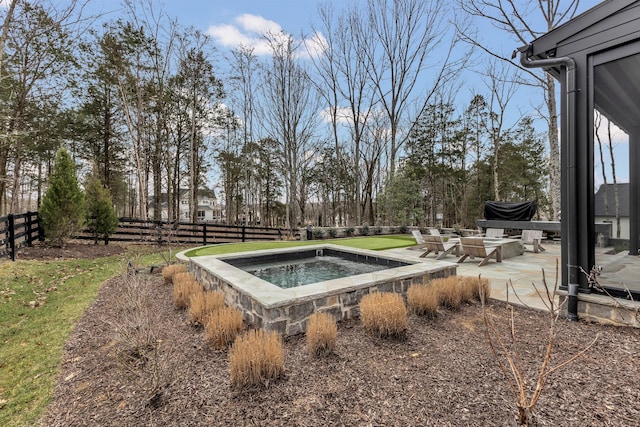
[[449, 292], [321, 334], [349, 231], [318, 234], [256, 358], [184, 285], [223, 326], [171, 270], [333, 233], [364, 230], [404, 229], [203, 303], [63, 209], [101, 217], [384, 314], [423, 300], [377, 231]]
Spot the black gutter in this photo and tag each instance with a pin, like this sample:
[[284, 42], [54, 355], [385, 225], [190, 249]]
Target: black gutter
[[570, 93]]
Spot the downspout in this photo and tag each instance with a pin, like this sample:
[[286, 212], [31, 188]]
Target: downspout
[[570, 93]]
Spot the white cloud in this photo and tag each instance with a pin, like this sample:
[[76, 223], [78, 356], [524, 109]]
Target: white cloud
[[315, 45], [257, 24], [248, 30], [343, 115]]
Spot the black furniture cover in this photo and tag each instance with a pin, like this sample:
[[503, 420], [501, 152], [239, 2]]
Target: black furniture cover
[[510, 211]]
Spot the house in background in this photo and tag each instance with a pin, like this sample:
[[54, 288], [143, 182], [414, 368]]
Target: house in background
[[609, 214], [208, 210]]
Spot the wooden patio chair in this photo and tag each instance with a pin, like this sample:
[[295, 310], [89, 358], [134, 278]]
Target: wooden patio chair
[[419, 238], [438, 246], [494, 233], [532, 237], [474, 247]]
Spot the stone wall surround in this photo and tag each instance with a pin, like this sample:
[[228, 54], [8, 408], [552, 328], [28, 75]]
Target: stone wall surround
[[289, 315]]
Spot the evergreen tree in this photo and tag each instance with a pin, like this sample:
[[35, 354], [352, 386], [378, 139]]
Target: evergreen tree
[[101, 217], [62, 209]]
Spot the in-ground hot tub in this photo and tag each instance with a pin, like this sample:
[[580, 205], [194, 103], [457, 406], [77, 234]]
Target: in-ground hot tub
[[287, 310]]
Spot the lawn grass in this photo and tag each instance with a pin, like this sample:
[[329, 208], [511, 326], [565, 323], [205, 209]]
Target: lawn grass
[[375, 243], [40, 301]]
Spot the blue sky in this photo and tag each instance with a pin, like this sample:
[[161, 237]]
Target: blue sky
[[231, 22]]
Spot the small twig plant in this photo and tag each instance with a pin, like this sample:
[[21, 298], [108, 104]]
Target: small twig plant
[[384, 314], [256, 358], [508, 357], [143, 354], [321, 334]]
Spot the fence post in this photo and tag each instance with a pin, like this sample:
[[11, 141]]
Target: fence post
[[29, 238], [204, 233], [41, 235], [12, 237], [244, 232]]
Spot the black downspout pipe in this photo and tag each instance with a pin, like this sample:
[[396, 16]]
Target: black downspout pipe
[[571, 195]]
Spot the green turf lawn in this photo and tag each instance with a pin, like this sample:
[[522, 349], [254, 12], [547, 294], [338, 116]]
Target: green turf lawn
[[375, 243], [40, 301]]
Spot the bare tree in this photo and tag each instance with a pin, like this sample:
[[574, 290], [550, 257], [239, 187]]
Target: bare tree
[[609, 142], [290, 116], [346, 87], [597, 122], [615, 179], [519, 19], [406, 34], [36, 45], [500, 82], [244, 67]]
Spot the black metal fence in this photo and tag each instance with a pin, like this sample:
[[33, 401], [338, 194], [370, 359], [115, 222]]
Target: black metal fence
[[17, 231]]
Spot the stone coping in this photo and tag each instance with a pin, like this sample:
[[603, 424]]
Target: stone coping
[[272, 296]]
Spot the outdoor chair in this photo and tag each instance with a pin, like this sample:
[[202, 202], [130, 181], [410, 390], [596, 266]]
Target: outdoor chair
[[474, 247], [494, 233], [419, 238], [438, 246], [532, 237]]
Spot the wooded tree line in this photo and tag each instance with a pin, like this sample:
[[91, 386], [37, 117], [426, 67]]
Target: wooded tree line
[[355, 124]]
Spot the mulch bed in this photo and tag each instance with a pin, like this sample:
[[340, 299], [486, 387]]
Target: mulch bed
[[72, 250], [443, 373]]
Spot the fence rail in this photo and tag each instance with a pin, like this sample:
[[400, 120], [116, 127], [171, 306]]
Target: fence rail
[[20, 230], [17, 231], [162, 232]]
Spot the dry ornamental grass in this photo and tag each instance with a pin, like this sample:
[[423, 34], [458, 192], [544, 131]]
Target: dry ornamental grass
[[423, 300], [321, 334], [184, 286], [171, 270], [256, 358], [223, 326], [384, 314], [202, 303]]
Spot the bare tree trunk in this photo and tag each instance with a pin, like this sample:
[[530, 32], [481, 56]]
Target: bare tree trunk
[[598, 122], [555, 190], [615, 179]]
